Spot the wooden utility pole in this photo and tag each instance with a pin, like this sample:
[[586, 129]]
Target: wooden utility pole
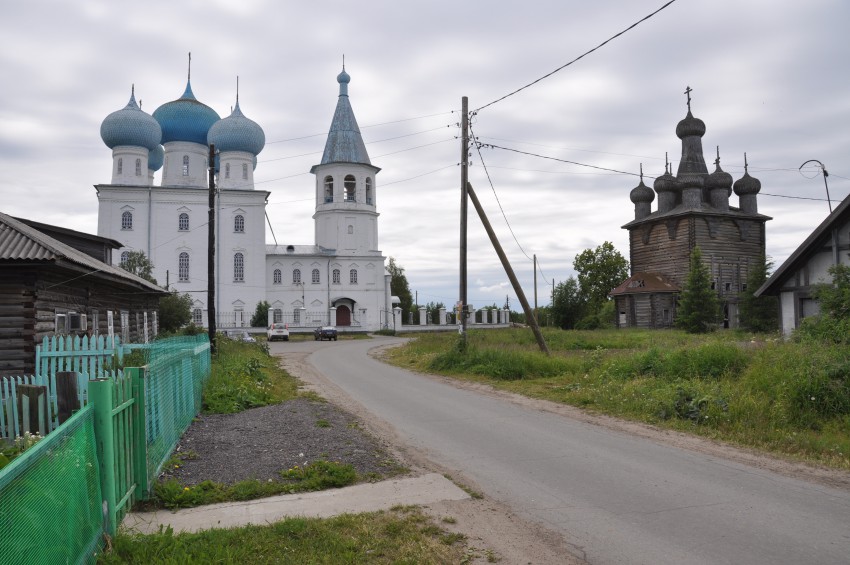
[[211, 253], [535, 286], [464, 182], [509, 270]]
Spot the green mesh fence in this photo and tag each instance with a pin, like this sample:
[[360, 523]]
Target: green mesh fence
[[50, 498], [177, 370]]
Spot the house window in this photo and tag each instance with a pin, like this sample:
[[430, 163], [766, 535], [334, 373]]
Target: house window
[[185, 165], [349, 184], [198, 317], [352, 276], [315, 276], [120, 165], [276, 277], [183, 222], [127, 221], [183, 267], [227, 171], [329, 189], [238, 268], [744, 287], [138, 167], [368, 190], [336, 276], [239, 223], [296, 276], [125, 256], [727, 287], [244, 171], [713, 285]]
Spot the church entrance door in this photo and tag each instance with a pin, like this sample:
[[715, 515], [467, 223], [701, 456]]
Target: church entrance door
[[343, 316]]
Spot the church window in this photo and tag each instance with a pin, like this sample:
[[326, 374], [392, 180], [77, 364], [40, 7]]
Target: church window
[[198, 317], [238, 268], [727, 287], [315, 276], [296, 276], [713, 285], [244, 171], [352, 276], [277, 278], [183, 267], [120, 165], [350, 230], [277, 315], [329, 189], [125, 256], [349, 184], [336, 276], [138, 167], [183, 222], [239, 223], [127, 220], [185, 165], [296, 316], [368, 190], [227, 170]]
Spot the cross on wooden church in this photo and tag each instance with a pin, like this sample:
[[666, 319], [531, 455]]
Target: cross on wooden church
[[688, 91]]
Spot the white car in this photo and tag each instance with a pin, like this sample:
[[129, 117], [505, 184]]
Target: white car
[[278, 331]]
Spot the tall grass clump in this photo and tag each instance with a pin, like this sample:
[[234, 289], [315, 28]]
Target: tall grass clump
[[499, 364], [709, 360]]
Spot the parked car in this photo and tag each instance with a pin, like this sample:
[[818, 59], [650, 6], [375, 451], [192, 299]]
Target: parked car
[[278, 331], [325, 332], [240, 335]]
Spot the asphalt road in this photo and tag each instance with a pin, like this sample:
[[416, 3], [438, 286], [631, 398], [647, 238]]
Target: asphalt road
[[616, 498]]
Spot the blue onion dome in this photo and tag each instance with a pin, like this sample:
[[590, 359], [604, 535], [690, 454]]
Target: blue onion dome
[[155, 158], [747, 184], [185, 119], [689, 126], [130, 126], [237, 133]]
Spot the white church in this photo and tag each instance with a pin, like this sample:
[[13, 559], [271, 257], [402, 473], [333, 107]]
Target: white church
[[338, 280]]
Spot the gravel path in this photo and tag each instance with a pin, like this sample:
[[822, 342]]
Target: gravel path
[[260, 442]]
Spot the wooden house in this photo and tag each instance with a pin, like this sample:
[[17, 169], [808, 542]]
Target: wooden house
[[693, 211], [48, 287], [807, 266]]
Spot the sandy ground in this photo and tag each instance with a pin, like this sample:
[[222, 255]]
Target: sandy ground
[[493, 530]]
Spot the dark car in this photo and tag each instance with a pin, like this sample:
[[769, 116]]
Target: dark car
[[325, 332]]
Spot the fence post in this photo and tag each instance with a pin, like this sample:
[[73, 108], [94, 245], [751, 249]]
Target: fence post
[[31, 399], [140, 438], [100, 395], [67, 396]]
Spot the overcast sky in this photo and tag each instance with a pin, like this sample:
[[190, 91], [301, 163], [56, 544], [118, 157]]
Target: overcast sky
[[769, 78]]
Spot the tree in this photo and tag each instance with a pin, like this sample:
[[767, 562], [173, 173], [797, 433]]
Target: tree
[[175, 311], [568, 305], [699, 307], [261, 315], [399, 287], [139, 264], [759, 314], [599, 271]]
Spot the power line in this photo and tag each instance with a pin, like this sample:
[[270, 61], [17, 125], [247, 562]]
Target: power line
[[576, 59]]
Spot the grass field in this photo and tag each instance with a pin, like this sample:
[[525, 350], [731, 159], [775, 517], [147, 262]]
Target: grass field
[[791, 399]]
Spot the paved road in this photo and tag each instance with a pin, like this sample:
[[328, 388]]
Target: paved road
[[616, 498]]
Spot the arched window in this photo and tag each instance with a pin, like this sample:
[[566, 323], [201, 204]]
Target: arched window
[[125, 256], [336, 276], [352, 276], [185, 165], [227, 170], [276, 277], [244, 171], [296, 276], [329, 189], [368, 190], [120, 165], [183, 267], [138, 167], [350, 185], [238, 268], [239, 223], [277, 315], [198, 317], [315, 276], [183, 222], [127, 220]]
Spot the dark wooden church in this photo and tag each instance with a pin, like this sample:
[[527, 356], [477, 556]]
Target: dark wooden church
[[693, 211]]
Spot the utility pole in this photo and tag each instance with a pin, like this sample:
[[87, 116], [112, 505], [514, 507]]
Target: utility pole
[[535, 286], [464, 180], [211, 253]]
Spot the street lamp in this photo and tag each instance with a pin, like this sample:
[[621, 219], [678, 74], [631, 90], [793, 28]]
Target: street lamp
[[825, 174]]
